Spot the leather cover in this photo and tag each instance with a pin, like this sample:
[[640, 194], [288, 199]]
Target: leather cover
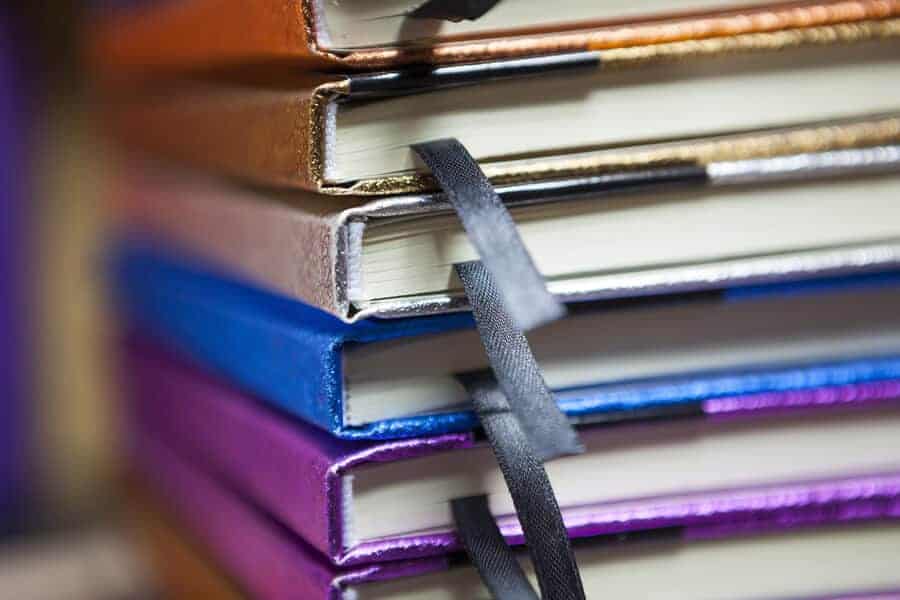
[[191, 34], [295, 472], [290, 354]]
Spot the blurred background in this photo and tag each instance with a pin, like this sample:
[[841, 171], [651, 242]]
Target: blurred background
[[63, 534]]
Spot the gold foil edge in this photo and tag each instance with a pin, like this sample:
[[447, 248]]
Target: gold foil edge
[[849, 33], [704, 151]]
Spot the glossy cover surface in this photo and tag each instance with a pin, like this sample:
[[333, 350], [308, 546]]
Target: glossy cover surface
[[182, 34], [296, 472], [290, 355], [270, 562]]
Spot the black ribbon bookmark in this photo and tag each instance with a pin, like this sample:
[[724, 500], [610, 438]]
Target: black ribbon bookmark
[[534, 500], [520, 287], [496, 563], [453, 10], [514, 405], [524, 427], [516, 369]]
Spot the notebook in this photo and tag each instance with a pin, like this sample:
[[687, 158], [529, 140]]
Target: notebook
[[362, 502], [352, 133], [799, 552], [630, 233], [398, 378], [152, 35]]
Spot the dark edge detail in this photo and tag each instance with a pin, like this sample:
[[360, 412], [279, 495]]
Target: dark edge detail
[[427, 78], [668, 412], [606, 184], [452, 10]]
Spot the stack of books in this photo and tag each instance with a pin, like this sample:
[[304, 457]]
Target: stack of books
[[710, 188]]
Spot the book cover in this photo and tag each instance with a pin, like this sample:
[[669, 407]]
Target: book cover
[[324, 251], [350, 134], [300, 475], [154, 35], [294, 356], [269, 561]]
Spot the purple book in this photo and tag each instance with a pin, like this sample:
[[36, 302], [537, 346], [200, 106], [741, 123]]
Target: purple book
[[364, 502], [780, 545]]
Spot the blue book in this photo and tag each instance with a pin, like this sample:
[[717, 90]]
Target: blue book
[[640, 358]]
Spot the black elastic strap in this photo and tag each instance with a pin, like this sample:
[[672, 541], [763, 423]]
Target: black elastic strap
[[453, 10], [496, 563], [516, 369], [536, 506], [491, 230]]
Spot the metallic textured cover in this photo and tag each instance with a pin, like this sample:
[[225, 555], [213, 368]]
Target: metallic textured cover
[[269, 562], [265, 559], [290, 354], [274, 134], [296, 472], [278, 133], [290, 243], [308, 247], [207, 33], [791, 266]]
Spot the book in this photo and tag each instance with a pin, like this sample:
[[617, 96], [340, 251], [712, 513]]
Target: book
[[362, 502], [352, 133], [357, 35], [622, 234], [856, 537], [379, 378]]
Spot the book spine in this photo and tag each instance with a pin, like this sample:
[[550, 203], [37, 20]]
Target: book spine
[[296, 251], [266, 136], [214, 425], [248, 335], [130, 40], [264, 559]]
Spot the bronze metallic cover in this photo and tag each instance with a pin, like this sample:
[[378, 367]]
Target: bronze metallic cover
[[197, 34], [275, 136]]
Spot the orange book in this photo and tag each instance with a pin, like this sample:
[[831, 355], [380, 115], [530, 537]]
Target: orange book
[[523, 120], [365, 35]]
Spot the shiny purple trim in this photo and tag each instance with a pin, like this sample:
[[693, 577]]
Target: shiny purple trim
[[384, 452], [295, 472], [879, 595], [702, 515], [271, 562], [831, 396]]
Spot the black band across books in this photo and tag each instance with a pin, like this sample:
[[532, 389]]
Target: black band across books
[[453, 10], [533, 497], [520, 287], [496, 563], [515, 368]]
